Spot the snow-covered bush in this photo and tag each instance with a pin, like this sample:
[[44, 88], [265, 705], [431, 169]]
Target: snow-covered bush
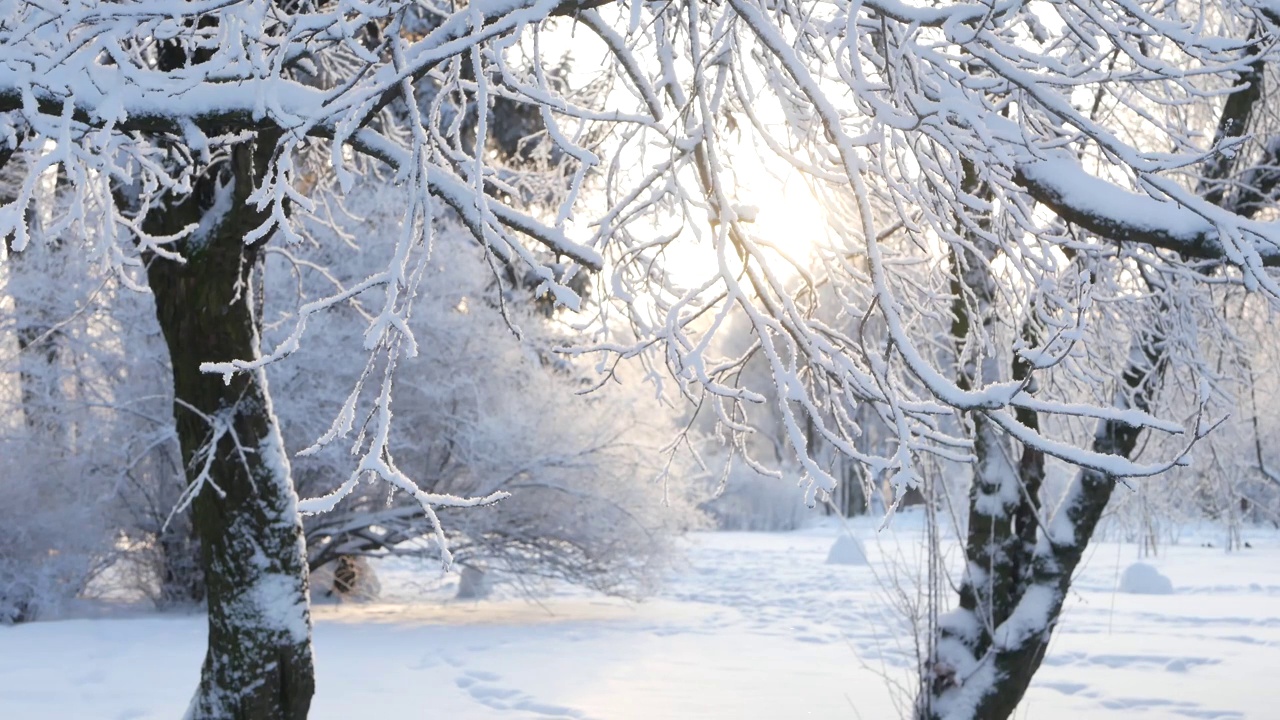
[[89, 470], [52, 541], [67, 420], [592, 496]]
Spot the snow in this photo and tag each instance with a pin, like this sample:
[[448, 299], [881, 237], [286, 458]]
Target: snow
[[1030, 618], [1143, 579], [472, 584], [1114, 204], [847, 550], [755, 625], [274, 601]]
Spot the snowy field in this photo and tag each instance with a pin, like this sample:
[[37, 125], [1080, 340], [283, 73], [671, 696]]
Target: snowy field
[[753, 626]]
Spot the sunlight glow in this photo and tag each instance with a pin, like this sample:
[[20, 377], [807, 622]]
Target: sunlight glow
[[780, 211]]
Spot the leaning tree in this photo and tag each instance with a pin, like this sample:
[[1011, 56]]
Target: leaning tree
[[978, 157]]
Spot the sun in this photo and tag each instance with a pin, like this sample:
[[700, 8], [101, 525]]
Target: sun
[[788, 218], [778, 211]]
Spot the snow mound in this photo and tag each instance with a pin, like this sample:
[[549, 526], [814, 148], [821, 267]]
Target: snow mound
[[847, 551], [473, 585], [1142, 579]]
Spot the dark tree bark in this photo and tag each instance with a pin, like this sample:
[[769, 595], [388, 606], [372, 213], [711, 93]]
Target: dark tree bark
[[181, 573], [259, 663]]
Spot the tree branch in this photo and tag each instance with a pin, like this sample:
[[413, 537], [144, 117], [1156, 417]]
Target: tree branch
[[1108, 210]]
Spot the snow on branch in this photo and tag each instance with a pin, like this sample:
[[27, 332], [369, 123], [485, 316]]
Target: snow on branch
[[62, 86], [924, 134], [1118, 214]]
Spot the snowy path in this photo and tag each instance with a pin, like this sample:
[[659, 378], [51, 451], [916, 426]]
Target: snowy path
[[756, 626]]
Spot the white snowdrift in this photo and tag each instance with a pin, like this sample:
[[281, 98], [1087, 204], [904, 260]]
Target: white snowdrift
[[1143, 579], [847, 550]]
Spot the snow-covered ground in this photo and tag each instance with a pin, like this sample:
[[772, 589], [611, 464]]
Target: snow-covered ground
[[753, 626]]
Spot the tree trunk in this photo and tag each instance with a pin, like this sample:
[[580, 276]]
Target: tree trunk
[[259, 663], [181, 577], [992, 657], [1018, 573]]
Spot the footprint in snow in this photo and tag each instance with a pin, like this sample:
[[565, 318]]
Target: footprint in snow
[[483, 687], [1170, 708], [1066, 688]]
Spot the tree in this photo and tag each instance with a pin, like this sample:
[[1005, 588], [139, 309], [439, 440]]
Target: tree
[[962, 121]]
